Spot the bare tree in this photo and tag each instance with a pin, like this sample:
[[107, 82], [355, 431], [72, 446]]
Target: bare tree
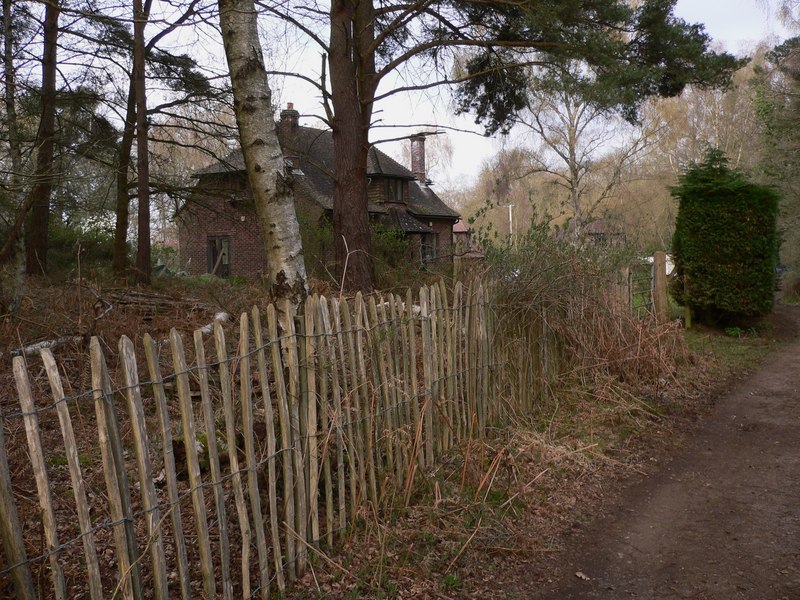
[[584, 150], [143, 266], [12, 258], [369, 42]]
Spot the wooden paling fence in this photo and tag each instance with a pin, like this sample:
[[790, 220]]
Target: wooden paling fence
[[220, 478]]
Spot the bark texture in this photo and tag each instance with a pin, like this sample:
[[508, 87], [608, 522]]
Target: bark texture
[[269, 183], [36, 234], [352, 68], [143, 266], [120, 252]]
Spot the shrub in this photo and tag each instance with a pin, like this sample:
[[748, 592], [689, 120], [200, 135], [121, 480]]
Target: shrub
[[725, 243], [95, 244]]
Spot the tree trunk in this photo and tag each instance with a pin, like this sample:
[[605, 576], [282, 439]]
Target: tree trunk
[[120, 252], [351, 94], [12, 267], [271, 189], [143, 266], [36, 233]]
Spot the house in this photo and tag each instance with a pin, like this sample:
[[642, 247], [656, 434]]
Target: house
[[218, 229], [464, 243]]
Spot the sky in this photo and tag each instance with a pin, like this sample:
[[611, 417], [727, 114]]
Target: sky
[[735, 24]]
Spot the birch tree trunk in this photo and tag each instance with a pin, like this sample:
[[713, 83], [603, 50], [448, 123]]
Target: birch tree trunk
[[270, 185]]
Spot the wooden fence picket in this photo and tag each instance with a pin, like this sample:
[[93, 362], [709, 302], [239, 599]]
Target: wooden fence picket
[[397, 401], [246, 401], [311, 402], [287, 455], [289, 344], [336, 414], [36, 449], [11, 529], [384, 424], [115, 475], [170, 473], [344, 337], [146, 486], [214, 467], [368, 416], [263, 376], [229, 416], [324, 365], [76, 476], [193, 463]]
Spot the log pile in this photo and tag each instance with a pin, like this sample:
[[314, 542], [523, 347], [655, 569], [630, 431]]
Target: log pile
[[148, 304]]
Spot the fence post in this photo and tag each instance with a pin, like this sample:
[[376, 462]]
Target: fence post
[[660, 303], [116, 476], [78, 486], [624, 289], [11, 530]]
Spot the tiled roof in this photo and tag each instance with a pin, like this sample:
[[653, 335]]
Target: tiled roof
[[398, 218], [312, 153]]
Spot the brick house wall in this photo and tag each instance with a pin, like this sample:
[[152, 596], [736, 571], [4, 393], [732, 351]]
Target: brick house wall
[[220, 209], [444, 232], [444, 245], [224, 209]]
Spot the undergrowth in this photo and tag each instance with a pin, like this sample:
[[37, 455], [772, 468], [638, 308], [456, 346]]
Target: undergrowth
[[590, 393]]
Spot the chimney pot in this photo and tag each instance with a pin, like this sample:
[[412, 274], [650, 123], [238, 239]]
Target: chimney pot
[[290, 118]]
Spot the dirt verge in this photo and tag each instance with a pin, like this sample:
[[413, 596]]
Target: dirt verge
[[720, 520]]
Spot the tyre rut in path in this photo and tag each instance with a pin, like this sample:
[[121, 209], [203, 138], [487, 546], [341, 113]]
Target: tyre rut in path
[[719, 522]]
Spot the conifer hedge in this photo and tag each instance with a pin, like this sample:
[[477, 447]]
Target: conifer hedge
[[725, 243]]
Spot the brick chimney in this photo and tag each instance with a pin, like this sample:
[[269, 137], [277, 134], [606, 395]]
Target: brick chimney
[[418, 157], [290, 118]]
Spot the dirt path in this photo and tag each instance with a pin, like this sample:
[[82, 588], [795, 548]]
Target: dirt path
[[719, 522]]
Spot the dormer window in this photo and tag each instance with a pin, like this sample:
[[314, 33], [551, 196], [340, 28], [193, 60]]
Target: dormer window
[[394, 190]]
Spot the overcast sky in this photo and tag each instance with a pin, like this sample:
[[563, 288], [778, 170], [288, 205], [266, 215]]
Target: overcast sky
[[736, 23]]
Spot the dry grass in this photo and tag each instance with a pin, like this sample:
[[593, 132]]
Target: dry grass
[[615, 391]]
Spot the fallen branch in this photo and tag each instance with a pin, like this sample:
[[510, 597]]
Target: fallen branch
[[56, 343], [464, 547]]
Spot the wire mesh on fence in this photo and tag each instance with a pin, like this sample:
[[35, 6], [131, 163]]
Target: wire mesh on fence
[[256, 456]]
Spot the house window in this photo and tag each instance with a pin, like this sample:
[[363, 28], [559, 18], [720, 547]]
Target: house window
[[394, 190], [429, 243], [219, 256]]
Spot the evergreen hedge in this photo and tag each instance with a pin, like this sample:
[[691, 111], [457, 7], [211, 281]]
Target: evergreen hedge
[[725, 243]]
